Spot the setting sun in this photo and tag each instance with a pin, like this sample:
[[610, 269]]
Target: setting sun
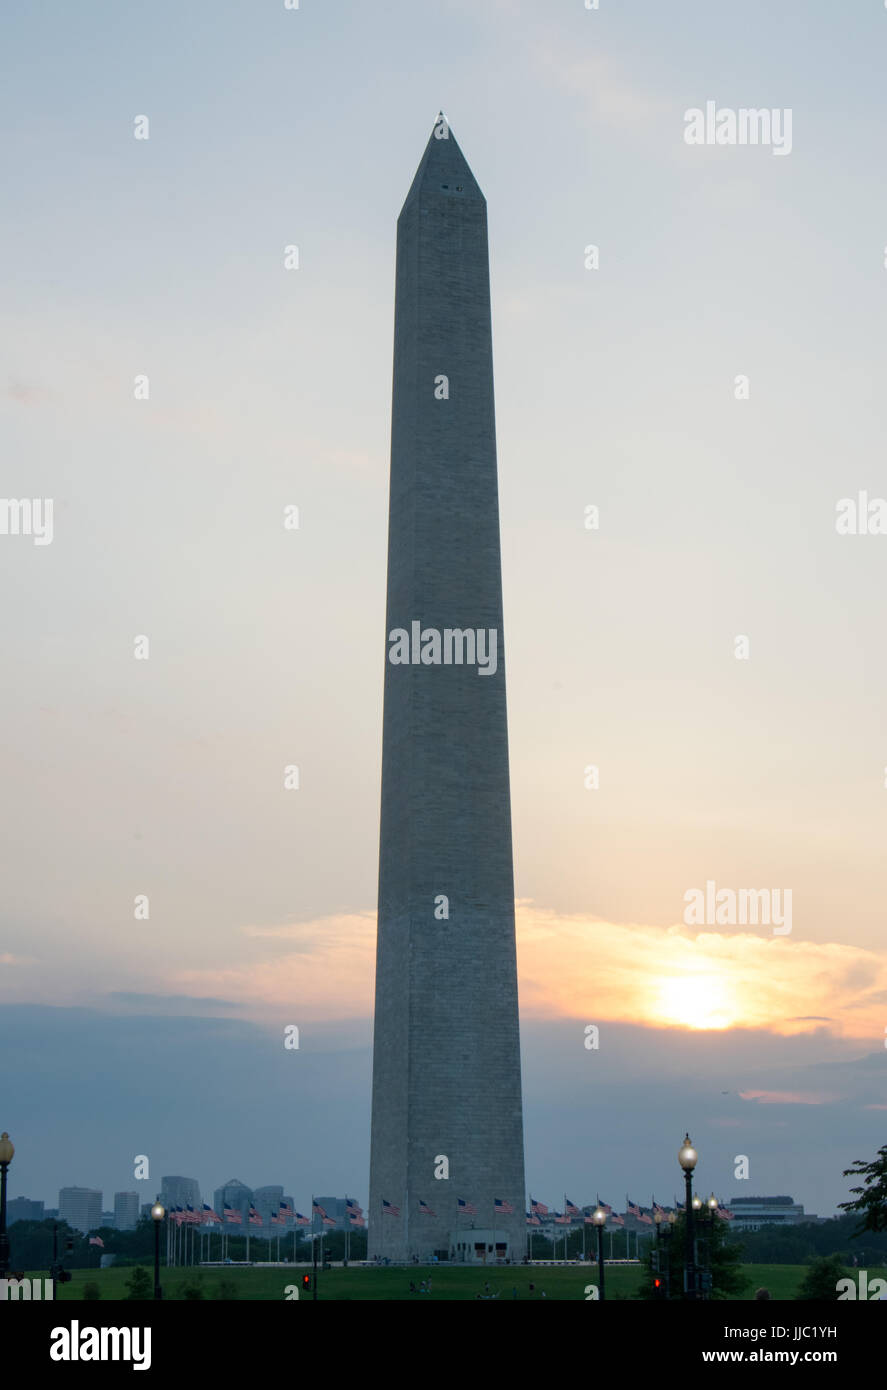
[[695, 1001]]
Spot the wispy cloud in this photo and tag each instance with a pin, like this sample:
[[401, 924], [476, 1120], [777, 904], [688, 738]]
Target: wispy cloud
[[789, 1097], [581, 967]]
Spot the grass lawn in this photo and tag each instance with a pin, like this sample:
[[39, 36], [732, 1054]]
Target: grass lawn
[[454, 1284]]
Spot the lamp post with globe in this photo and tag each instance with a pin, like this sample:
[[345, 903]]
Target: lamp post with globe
[[7, 1149], [158, 1212], [600, 1220], [687, 1157]]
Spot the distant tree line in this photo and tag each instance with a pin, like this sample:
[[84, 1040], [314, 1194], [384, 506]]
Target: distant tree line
[[30, 1244], [797, 1245]]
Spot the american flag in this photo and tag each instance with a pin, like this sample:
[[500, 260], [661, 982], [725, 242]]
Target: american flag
[[353, 1207], [539, 1208], [278, 1218], [634, 1210], [502, 1208], [286, 1209], [97, 1240], [614, 1221], [317, 1209], [209, 1214], [302, 1220], [192, 1216], [356, 1220], [235, 1217], [532, 1219], [657, 1207], [328, 1221], [604, 1207], [646, 1218], [254, 1217], [570, 1208], [560, 1220], [724, 1214], [466, 1208], [178, 1215], [424, 1209], [388, 1209]]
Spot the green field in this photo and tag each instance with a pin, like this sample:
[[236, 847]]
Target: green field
[[456, 1283]]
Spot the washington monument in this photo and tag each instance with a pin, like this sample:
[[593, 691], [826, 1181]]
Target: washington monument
[[447, 1121]]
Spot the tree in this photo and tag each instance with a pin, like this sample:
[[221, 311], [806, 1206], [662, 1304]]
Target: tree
[[139, 1283], [193, 1290], [31, 1245], [871, 1198], [91, 1291], [715, 1251], [820, 1283], [225, 1289]]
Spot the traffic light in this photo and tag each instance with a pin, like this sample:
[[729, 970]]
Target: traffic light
[[306, 1282], [657, 1286]]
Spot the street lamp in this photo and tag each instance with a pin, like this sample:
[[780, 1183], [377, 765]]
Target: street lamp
[[7, 1149], [711, 1206], [600, 1220], [158, 1212], [687, 1157]]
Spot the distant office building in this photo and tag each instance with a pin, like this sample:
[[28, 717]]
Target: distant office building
[[23, 1209], [761, 1213], [267, 1201], [81, 1207], [126, 1210], [336, 1209], [108, 1218], [180, 1192], [236, 1194], [145, 1208]]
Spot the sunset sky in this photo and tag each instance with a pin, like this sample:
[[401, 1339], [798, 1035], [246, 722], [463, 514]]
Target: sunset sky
[[271, 387]]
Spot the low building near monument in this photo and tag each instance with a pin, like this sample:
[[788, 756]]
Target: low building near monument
[[763, 1213], [480, 1247]]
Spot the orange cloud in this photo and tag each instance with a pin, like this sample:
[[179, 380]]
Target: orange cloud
[[580, 967], [788, 1097]]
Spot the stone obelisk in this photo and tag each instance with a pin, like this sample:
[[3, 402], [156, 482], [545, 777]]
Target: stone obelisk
[[447, 1119]]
